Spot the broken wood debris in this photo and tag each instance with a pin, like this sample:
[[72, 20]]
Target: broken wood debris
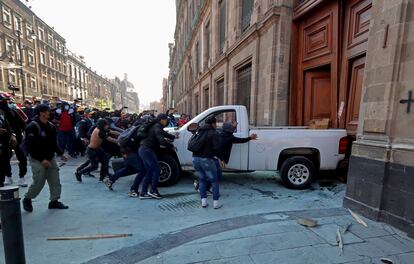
[[339, 240], [358, 218], [99, 236], [387, 260], [307, 222]]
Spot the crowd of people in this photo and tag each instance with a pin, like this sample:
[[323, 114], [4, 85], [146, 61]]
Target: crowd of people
[[38, 131]]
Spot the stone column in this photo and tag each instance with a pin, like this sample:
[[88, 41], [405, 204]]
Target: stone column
[[381, 174]]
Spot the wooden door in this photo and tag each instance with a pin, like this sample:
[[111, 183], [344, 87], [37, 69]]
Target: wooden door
[[317, 97], [244, 86], [355, 44], [356, 77], [314, 82]]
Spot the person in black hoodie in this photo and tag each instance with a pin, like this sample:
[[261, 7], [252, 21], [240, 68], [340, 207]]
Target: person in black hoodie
[[17, 124], [42, 146], [6, 141], [149, 146], [205, 160]]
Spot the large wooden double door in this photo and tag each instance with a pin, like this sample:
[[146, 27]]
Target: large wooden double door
[[328, 59]]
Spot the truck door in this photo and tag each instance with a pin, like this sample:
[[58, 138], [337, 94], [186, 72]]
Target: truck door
[[230, 116]]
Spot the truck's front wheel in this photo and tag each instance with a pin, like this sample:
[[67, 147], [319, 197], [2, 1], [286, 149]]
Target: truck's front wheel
[[169, 171], [297, 172]]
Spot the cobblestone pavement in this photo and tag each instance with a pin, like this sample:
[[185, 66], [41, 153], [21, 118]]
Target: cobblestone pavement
[[257, 224]]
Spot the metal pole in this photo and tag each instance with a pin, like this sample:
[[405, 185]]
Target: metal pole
[[11, 220], [21, 64]]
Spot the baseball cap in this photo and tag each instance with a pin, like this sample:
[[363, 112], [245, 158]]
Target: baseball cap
[[162, 117], [43, 108]]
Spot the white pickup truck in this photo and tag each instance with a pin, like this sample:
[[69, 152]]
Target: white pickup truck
[[298, 153]]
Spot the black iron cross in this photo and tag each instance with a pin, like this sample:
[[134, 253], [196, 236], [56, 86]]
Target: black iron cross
[[408, 101]]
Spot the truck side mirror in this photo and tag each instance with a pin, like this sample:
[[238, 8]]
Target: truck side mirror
[[193, 127]]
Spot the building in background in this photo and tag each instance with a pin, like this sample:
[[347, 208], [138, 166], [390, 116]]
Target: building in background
[[130, 96], [49, 70], [78, 83], [18, 26], [232, 52], [157, 106], [164, 100]]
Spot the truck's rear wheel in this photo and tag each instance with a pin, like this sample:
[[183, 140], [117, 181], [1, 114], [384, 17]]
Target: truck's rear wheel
[[169, 171], [297, 172]]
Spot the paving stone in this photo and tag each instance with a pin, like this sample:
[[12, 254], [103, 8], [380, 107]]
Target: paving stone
[[406, 258], [255, 230], [261, 244], [333, 254], [373, 230], [328, 233], [186, 254], [390, 245], [235, 260], [292, 256]]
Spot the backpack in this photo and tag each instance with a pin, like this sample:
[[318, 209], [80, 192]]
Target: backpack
[[197, 141], [142, 131], [128, 136], [24, 146]]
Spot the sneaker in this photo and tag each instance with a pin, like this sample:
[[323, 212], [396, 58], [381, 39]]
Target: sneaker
[[143, 196], [204, 203], [108, 183], [22, 182], [196, 185], [216, 205], [78, 176], [27, 205], [57, 205], [8, 181], [155, 195], [133, 194]]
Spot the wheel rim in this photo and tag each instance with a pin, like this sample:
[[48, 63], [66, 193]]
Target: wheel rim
[[298, 174], [165, 171]]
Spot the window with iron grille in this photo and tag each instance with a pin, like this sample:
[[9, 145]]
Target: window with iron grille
[[222, 29], [244, 86], [6, 16], [220, 92], [196, 104], [206, 98], [197, 61], [247, 9], [207, 37]]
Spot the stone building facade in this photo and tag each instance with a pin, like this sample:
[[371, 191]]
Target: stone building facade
[[77, 71], [232, 52], [50, 71], [381, 177]]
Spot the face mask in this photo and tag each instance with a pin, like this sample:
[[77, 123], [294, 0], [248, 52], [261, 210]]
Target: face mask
[[12, 106], [66, 107]]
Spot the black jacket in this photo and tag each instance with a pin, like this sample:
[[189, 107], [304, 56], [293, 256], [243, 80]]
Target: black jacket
[[5, 137], [42, 145], [211, 147], [227, 139], [157, 137], [83, 128]]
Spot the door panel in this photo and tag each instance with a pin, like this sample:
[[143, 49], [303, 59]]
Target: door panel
[[317, 95], [354, 95]]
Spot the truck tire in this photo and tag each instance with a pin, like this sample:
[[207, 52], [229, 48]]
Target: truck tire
[[297, 172], [169, 170]]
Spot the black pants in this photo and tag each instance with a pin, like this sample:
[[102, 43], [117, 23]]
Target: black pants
[[96, 156], [4, 163], [22, 162]]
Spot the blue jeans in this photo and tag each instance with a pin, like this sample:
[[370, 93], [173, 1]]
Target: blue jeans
[[207, 169], [133, 164], [219, 174], [152, 168], [66, 141]]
